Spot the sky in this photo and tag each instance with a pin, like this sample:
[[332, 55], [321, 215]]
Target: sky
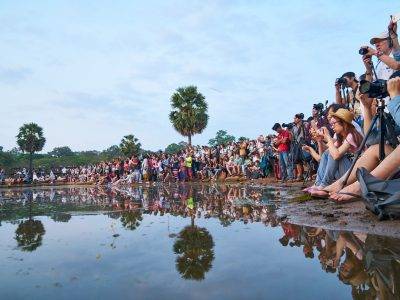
[[90, 72]]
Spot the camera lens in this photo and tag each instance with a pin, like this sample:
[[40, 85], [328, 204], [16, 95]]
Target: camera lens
[[363, 51], [365, 86]]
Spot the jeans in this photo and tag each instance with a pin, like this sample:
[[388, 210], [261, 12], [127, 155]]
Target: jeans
[[330, 170], [285, 165]]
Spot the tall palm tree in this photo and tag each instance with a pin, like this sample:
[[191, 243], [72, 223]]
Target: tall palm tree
[[130, 145], [30, 139], [189, 112]]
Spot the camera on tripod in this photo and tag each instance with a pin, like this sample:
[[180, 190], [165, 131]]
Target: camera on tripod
[[378, 88]]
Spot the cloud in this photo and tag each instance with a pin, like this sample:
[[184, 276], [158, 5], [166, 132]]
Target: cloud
[[14, 75]]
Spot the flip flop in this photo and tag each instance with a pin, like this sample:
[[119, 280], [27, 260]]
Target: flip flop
[[355, 197]]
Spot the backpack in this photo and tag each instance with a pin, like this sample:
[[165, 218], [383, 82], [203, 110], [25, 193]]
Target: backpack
[[382, 197]]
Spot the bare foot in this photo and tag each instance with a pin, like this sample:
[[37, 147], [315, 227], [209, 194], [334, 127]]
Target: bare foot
[[334, 187], [349, 193]]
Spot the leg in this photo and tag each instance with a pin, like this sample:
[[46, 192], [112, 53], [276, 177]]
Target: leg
[[390, 164], [283, 164], [369, 160]]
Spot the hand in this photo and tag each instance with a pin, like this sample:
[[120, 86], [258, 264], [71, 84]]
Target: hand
[[371, 51], [364, 99], [337, 85], [393, 87], [392, 26], [325, 133], [367, 62], [306, 148]]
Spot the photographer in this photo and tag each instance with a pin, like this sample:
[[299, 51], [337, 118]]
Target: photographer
[[349, 100], [300, 137], [370, 158], [283, 144], [335, 161], [318, 119], [383, 51]]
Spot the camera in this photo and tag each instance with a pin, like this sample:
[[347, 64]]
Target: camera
[[363, 50], [376, 89], [341, 81], [318, 106], [288, 125]]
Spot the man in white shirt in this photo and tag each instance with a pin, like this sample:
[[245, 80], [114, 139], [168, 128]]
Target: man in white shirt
[[386, 64]]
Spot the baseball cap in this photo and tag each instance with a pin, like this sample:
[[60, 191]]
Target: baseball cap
[[381, 36]]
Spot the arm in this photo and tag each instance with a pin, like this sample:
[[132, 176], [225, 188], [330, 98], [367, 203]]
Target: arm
[[338, 95], [313, 153], [366, 109], [337, 153], [393, 87]]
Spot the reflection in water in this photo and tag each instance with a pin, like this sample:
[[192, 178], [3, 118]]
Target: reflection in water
[[194, 246], [369, 264], [29, 235]]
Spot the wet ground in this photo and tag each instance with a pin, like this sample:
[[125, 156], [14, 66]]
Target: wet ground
[[192, 242]]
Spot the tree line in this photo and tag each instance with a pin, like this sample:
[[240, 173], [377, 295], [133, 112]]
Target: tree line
[[188, 116]]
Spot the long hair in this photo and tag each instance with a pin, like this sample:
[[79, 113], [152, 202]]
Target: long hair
[[348, 128]]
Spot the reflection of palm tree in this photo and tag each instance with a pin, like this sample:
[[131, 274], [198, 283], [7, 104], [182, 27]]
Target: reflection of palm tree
[[194, 246], [29, 234], [131, 219]]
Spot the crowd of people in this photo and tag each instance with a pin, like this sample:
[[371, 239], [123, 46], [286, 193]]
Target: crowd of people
[[320, 148]]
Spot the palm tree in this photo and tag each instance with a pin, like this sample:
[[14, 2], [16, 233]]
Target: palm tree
[[189, 112], [194, 246], [130, 145], [30, 139]]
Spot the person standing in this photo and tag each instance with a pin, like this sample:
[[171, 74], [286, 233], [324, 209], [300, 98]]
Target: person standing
[[283, 144]]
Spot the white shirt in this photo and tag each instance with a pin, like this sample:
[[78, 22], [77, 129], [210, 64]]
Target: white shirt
[[382, 70]]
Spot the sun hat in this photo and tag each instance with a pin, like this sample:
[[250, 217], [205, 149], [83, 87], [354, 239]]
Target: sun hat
[[344, 114], [381, 36]]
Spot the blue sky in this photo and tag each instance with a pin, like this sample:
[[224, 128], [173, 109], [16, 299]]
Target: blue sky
[[90, 72]]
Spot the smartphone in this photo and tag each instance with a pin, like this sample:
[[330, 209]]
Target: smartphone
[[395, 17]]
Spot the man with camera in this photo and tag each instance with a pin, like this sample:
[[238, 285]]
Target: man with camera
[[386, 64], [349, 100], [283, 144], [300, 137]]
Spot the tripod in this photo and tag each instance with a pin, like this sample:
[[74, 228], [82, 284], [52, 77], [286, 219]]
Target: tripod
[[385, 124]]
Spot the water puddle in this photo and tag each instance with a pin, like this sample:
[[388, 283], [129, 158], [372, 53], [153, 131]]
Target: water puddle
[[191, 242]]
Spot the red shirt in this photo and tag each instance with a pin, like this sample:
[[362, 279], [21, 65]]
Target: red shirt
[[284, 147]]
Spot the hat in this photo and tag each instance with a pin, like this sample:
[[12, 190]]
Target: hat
[[381, 36], [344, 114]]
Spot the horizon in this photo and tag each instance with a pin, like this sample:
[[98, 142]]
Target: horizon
[[89, 74]]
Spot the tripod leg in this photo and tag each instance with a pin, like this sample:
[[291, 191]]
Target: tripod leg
[[360, 150]]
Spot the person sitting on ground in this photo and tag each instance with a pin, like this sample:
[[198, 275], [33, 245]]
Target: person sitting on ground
[[370, 159], [335, 161]]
